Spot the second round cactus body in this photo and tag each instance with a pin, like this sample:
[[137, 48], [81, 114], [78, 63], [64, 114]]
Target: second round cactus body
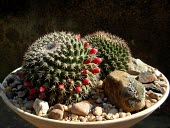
[[113, 50]]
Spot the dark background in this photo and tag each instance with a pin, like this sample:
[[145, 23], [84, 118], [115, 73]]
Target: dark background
[[144, 24]]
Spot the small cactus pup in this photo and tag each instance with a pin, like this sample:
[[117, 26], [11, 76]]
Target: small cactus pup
[[112, 49], [60, 68]]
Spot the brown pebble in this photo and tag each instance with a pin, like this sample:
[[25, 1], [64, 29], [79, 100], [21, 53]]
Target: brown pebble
[[153, 100], [82, 108], [92, 118], [59, 106], [148, 103], [56, 114], [50, 109], [66, 114]]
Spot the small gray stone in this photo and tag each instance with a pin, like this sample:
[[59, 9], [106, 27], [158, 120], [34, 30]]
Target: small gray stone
[[136, 67], [56, 114], [29, 104], [81, 108], [19, 87], [15, 83], [113, 111], [21, 94]]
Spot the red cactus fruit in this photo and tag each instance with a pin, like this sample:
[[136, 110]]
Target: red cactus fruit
[[78, 36], [87, 61], [27, 84], [95, 70], [61, 86], [78, 89], [97, 60], [86, 44], [84, 72], [42, 88], [85, 81], [32, 91], [93, 51]]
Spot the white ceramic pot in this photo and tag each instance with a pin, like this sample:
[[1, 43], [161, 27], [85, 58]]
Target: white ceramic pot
[[125, 122]]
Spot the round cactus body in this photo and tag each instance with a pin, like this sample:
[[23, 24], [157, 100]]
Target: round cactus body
[[114, 51], [55, 67]]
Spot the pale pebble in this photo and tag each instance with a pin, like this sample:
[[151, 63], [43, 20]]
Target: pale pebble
[[122, 114], [148, 103], [41, 107], [97, 111]]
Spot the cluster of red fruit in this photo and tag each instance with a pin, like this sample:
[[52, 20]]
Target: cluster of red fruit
[[33, 91], [97, 60]]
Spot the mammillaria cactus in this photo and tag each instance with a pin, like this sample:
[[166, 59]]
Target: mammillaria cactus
[[113, 50], [60, 68]]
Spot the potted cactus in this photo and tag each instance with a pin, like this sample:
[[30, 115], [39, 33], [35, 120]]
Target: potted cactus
[[69, 81]]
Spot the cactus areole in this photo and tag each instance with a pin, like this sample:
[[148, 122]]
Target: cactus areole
[[57, 68]]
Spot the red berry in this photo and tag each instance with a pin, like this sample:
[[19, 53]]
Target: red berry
[[86, 44], [84, 72], [97, 60], [78, 89], [85, 81], [87, 61], [32, 91], [27, 84], [41, 96], [95, 70], [61, 86], [42, 88], [93, 51], [78, 37]]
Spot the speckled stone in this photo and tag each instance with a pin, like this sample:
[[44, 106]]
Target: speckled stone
[[124, 91]]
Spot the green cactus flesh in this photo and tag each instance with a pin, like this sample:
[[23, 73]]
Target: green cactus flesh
[[113, 50], [56, 62]]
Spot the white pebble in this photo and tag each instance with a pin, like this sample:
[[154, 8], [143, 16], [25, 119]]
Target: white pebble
[[128, 114], [97, 111], [122, 114]]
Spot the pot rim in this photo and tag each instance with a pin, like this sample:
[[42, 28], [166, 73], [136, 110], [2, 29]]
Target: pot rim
[[131, 117]]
